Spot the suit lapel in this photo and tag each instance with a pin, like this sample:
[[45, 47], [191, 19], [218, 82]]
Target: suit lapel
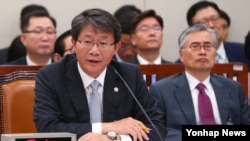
[[76, 92], [184, 99], [222, 98], [111, 95]]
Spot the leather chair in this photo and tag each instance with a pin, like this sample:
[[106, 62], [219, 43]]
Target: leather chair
[[18, 101], [17, 98]]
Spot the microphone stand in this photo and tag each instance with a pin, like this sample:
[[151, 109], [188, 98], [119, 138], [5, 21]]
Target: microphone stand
[[139, 104]]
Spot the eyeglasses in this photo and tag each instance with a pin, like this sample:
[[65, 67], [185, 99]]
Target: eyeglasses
[[214, 20], [127, 46], [206, 46], [70, 49], [101, 45], [147, 28], [40, 32]]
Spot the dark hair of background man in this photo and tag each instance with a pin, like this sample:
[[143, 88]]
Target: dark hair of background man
[[196, 7], [145, 14], [124, 15]]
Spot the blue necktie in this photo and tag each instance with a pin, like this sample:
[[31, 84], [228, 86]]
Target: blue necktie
[[217, 58], [94, 103], [153, 76]]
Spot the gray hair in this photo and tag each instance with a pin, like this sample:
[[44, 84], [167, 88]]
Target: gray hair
[[197, 28], [99, 19]]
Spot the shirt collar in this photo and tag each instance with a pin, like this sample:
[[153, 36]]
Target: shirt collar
[[145, 62], [193, 82], [221, 51], [87, 80], [31, 63]]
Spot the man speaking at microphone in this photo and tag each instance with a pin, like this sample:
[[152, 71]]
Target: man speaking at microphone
[[89, 94]]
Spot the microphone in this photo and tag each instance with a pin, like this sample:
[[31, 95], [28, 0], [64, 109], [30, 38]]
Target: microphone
[[138, 103]]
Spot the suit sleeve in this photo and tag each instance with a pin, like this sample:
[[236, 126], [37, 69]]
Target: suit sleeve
[[48, 115]]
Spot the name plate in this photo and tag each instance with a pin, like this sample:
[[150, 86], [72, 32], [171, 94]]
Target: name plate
[[52, 136]]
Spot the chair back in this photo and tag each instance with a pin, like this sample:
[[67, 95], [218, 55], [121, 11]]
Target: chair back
[[237, 71], [18, 101], [17, 98]]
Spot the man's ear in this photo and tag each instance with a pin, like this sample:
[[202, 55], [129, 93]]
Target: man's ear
[[117, 46], [23, 39], [56, 57], [180, 54], [133, 42]]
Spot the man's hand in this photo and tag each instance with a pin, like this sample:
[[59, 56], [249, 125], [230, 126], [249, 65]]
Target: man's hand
[[93, 137], [127, 126]]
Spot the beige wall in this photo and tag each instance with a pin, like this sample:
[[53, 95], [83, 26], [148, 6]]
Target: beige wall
[[173, 12]]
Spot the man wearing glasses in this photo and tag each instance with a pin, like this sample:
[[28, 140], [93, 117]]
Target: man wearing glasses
[[147, 34], [63, 46], [208, 13], [195, 96], [38, 36], [85, 94]]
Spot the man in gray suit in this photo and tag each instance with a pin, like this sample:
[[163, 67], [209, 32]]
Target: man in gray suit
[[177, 95]]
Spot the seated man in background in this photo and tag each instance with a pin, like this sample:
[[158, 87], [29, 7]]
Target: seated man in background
[[16, 48], [181, 97], [63, 46], [38, 36], [224, 22], [146, 34], [124, 15], [86, 93], [208, 13]]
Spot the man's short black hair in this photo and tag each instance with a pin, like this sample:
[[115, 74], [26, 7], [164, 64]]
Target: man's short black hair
[[225, 16], [124, 15]]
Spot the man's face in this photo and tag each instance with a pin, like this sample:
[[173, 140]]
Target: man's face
[[94, 50], [223, 29], [148, 35], [198, 53], [208, 16], [39, 37], [127, 51], [68, 45]]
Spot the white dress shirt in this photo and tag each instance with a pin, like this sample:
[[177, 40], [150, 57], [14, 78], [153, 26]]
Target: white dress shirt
[[31, 63], [193, 82], [222, 54], [87, 80]]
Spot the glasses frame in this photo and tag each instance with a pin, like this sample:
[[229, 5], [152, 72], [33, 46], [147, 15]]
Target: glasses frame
[[40, 32], [89, 45], [145, 29], [214, 20], [197, 46]]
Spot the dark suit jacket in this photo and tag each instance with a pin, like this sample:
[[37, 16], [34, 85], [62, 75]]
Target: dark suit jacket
[[175, 101], [3, 55], [61, 102], [235, 53], [21, 61], [136, 61]]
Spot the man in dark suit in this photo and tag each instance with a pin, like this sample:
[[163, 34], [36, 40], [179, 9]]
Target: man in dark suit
[[124, 15], [38, 36], [63, 46], [146, 35], [178, 96], [208, 13], [3, 55], [64, 89]]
